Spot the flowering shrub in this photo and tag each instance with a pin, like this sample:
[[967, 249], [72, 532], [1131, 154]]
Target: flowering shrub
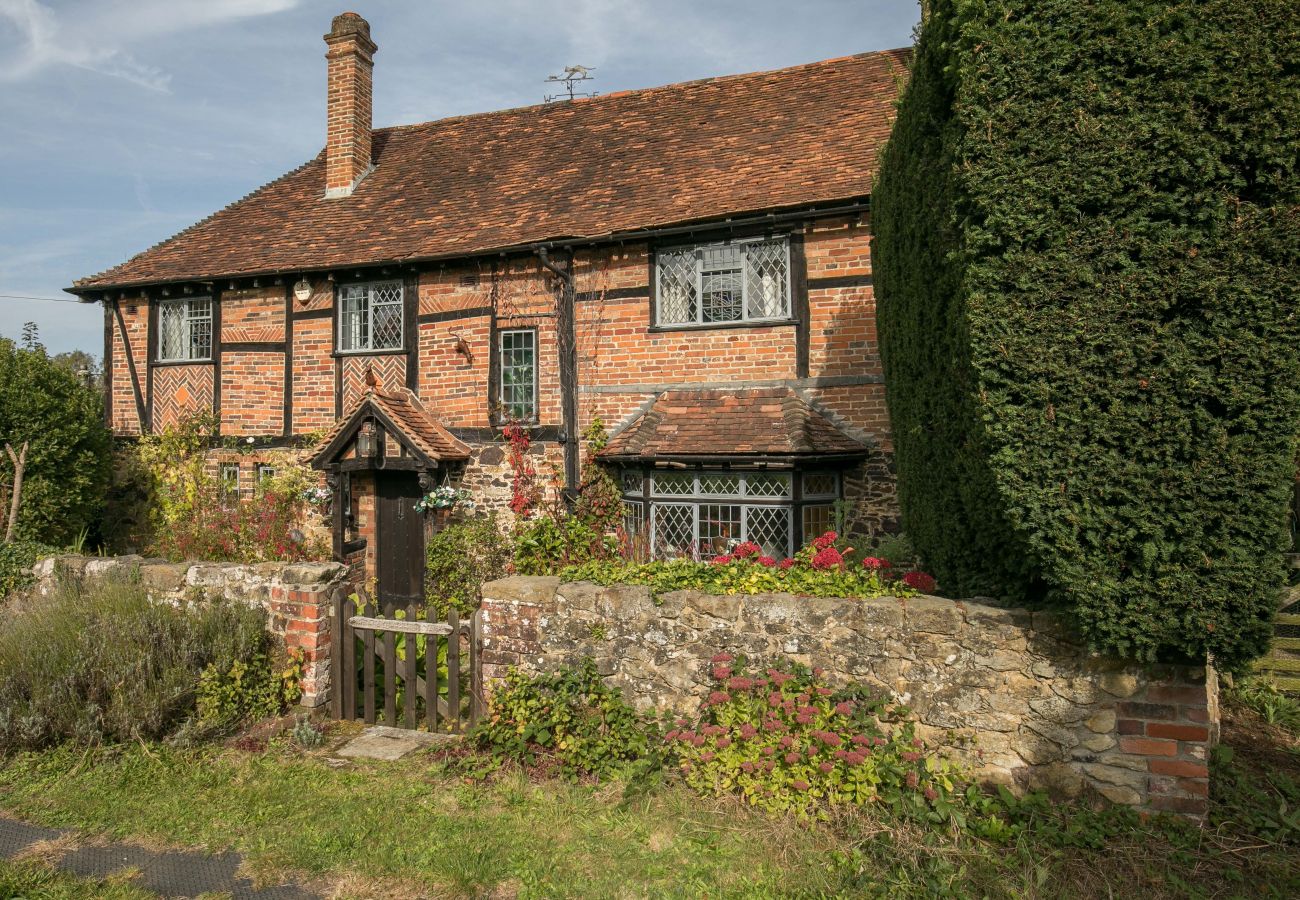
[[570, 715], [785, 740], [444, 497], [820, 569]]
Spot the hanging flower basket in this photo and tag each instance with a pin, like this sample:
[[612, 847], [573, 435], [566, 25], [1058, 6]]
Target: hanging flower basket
[[442, 500]]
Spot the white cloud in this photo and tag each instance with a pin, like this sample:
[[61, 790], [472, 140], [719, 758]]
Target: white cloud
[[95, 34]]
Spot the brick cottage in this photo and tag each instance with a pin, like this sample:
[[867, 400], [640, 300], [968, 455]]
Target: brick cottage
[[689, 263]]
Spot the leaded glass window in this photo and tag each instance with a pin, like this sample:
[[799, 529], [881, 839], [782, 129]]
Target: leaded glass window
[[185, 329], [696, 514], [725, 282], [370, 316], [519, 375]]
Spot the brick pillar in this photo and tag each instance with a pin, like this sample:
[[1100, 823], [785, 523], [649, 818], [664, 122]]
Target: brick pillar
[[511, 616], [350, 60], [1173, 723], [305, 609]]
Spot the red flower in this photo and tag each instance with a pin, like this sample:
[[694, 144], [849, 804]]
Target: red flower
[[844, 708], [747, 767], [718, 697], [739, 683], [786, 742], [707, 756], [821, 543], [768, 751], [855, 758], [724, 743], [919, 581], [672, 735], [913, 779], [746, 550], [931, 794], [799, 784], [828, 558], [747, 731], [785, 563], [774, 699], [721, 672], [720, 560], [875, 563], [792, 758], [911, 756], [767, 561], [722, 658], [827, 768]]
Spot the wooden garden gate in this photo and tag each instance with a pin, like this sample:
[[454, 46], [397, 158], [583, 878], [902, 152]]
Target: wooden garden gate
[[422, 671]]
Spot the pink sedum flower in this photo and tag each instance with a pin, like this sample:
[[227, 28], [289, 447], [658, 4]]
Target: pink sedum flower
[[844, 708], [722, 658], [792, 758], [799, 784], [827, 768]]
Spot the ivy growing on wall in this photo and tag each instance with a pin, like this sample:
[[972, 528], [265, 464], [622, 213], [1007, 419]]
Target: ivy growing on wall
[[1087, 264]]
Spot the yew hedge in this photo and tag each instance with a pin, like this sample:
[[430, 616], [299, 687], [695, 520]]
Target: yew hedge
[[1087, 263]]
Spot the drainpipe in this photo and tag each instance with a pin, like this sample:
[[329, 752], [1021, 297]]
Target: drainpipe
[[565, 338]]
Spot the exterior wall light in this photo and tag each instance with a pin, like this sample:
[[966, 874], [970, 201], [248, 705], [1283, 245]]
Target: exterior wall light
[[302, 290]]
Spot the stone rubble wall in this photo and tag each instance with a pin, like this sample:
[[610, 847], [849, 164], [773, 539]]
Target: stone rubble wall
[[1015, 696], [297, 598]]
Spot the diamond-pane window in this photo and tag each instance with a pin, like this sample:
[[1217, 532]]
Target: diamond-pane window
[[767, 486], [185, 329], [370, 316], [725, 282], [819, 484], [633, 482], [673, 484], [720, 485], [674, 530], [678, 286], [519, 375], [769, 527]]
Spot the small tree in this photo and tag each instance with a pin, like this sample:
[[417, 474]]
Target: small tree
[[57, 490]]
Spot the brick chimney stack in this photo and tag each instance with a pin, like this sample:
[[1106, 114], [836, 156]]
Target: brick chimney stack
[[351, 63]]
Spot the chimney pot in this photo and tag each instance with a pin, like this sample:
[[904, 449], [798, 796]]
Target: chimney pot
[[350, 64]]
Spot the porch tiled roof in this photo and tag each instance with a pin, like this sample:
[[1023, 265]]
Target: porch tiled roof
[[740, 423], [417, 424], [588, 168]]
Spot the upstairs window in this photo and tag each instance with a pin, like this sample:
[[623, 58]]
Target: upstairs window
[[737, 281], [185, 329], [518, 362], [370, 316]]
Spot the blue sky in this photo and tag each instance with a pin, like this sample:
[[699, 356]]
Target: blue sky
[[128, 120]]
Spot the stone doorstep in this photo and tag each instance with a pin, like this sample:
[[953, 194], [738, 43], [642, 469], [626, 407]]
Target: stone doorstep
[[387, 743]]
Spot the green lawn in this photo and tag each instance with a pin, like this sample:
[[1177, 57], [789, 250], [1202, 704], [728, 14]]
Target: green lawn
[[414, 828]]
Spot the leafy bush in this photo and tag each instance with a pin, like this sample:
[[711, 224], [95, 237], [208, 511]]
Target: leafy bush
[[547, 544], [1087, 256], [98, 661], [16, 561], [1252, 800], [785, 740], [461, 558], [191, 517], [821, 569], [249, 689], [1262, 697], [570, 715], [69, 452]]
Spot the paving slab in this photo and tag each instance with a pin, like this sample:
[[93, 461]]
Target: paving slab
[[383, 742]]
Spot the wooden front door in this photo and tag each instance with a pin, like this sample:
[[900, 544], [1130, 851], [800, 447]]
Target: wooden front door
[[399, 556]]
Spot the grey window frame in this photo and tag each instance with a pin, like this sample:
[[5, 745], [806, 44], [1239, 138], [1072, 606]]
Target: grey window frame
[[700, 250], [368, 313], [190, 319], [506, 414]]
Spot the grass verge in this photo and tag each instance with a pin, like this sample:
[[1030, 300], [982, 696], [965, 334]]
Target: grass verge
[[414, 828]]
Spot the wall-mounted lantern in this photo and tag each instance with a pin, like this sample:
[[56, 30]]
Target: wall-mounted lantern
[[367, 442], [302, 290]]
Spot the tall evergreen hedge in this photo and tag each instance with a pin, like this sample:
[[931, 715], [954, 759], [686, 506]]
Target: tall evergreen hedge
[[1087, 264]]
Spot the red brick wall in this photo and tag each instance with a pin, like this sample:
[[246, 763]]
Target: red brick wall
[[621, 362]]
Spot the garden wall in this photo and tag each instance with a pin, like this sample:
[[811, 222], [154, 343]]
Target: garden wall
[[296, 597], [1011, 691]]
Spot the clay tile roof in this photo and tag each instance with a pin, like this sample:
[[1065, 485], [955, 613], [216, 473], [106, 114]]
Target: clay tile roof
[[751, 422], [589, 168], [417, 424]]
